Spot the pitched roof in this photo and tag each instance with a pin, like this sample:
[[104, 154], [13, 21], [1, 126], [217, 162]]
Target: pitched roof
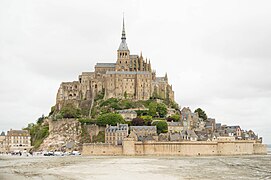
[[126, 111], [18, 133], [139, 128], [119, 127], [105, 65]]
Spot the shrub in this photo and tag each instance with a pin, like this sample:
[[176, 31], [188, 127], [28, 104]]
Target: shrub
[[152, 109], [69, 111], [201, 114], [142, 112], [138, 122], [87, 121], [174, 117], [161, 109], [110, 119], [161, 126]]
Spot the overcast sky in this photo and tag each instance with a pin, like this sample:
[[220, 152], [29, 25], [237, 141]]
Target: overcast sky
[[217, 53]]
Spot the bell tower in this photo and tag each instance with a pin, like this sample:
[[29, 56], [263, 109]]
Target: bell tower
[[123, 61]]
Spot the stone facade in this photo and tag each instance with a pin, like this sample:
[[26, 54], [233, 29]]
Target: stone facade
[[127, 114], [115, 134], [15, 141], [174, 127], [131, 77], [189, 119], [144, 133], [131, 147]]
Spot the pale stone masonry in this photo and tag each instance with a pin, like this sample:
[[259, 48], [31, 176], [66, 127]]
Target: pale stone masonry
[[115, 134], [131, 77], [15, 141], [127, 114], [188, 148]]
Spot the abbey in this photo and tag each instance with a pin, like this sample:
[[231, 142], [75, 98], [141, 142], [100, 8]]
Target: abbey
[[131, 77]]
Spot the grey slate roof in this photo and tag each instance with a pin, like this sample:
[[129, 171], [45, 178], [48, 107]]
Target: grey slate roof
[[18, 132], [126, 111], [133, 56], [128, 72], [105, 65], [139, 128], [123, 46], [2, 134], [120, 127]]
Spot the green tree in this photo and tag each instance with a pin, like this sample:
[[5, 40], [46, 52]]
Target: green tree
[[38, 133], [201, 114], [174, 117], [161, 109], [40, 120], [161, 126], [152, 109], [147, 120], [110, 119], [138, 121]]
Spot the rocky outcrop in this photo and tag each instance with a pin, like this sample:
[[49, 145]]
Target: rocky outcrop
[[64, 135]]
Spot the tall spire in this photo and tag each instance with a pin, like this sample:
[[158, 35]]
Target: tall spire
[[123, 44], [123, 37]]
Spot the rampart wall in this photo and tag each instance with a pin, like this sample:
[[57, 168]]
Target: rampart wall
[[101, 149], [198, 148]]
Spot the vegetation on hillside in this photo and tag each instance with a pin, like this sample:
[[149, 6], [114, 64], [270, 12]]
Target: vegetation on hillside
[[138, 122], [161, 126], [38, 132], [201, 114], [110, 119], [174, 117], [99, 138]]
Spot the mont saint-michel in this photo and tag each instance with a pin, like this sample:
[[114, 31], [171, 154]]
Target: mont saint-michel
[[123, 108]]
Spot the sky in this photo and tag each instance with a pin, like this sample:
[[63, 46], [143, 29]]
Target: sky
[[216, 53]]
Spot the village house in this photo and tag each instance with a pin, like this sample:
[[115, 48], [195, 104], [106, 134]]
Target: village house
[[143, 133], [2, 142], [189, 135], [128, 115], [210, 125], [17, 140], [115, 134], [174, 126]]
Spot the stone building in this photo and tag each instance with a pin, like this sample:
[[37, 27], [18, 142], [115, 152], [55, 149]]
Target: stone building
[[115, 134], [210, 125], [128, 115], [131, 77], [189, 135], [143, 133], [174, 127], [18, 140], [189, 119], [2, 142]]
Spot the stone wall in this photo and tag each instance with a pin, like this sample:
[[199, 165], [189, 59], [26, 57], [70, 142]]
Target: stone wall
[[101, 149], [130, 147], [259, 148]]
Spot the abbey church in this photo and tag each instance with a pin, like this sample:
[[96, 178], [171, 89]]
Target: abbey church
[[131, 77]]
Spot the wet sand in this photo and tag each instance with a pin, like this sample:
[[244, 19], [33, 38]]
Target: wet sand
[[156, 168]]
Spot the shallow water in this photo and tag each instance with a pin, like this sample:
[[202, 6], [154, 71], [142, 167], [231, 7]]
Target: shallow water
[[81, 167]]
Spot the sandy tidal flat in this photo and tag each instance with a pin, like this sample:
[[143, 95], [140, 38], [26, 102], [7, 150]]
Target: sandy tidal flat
[[81, 167]]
